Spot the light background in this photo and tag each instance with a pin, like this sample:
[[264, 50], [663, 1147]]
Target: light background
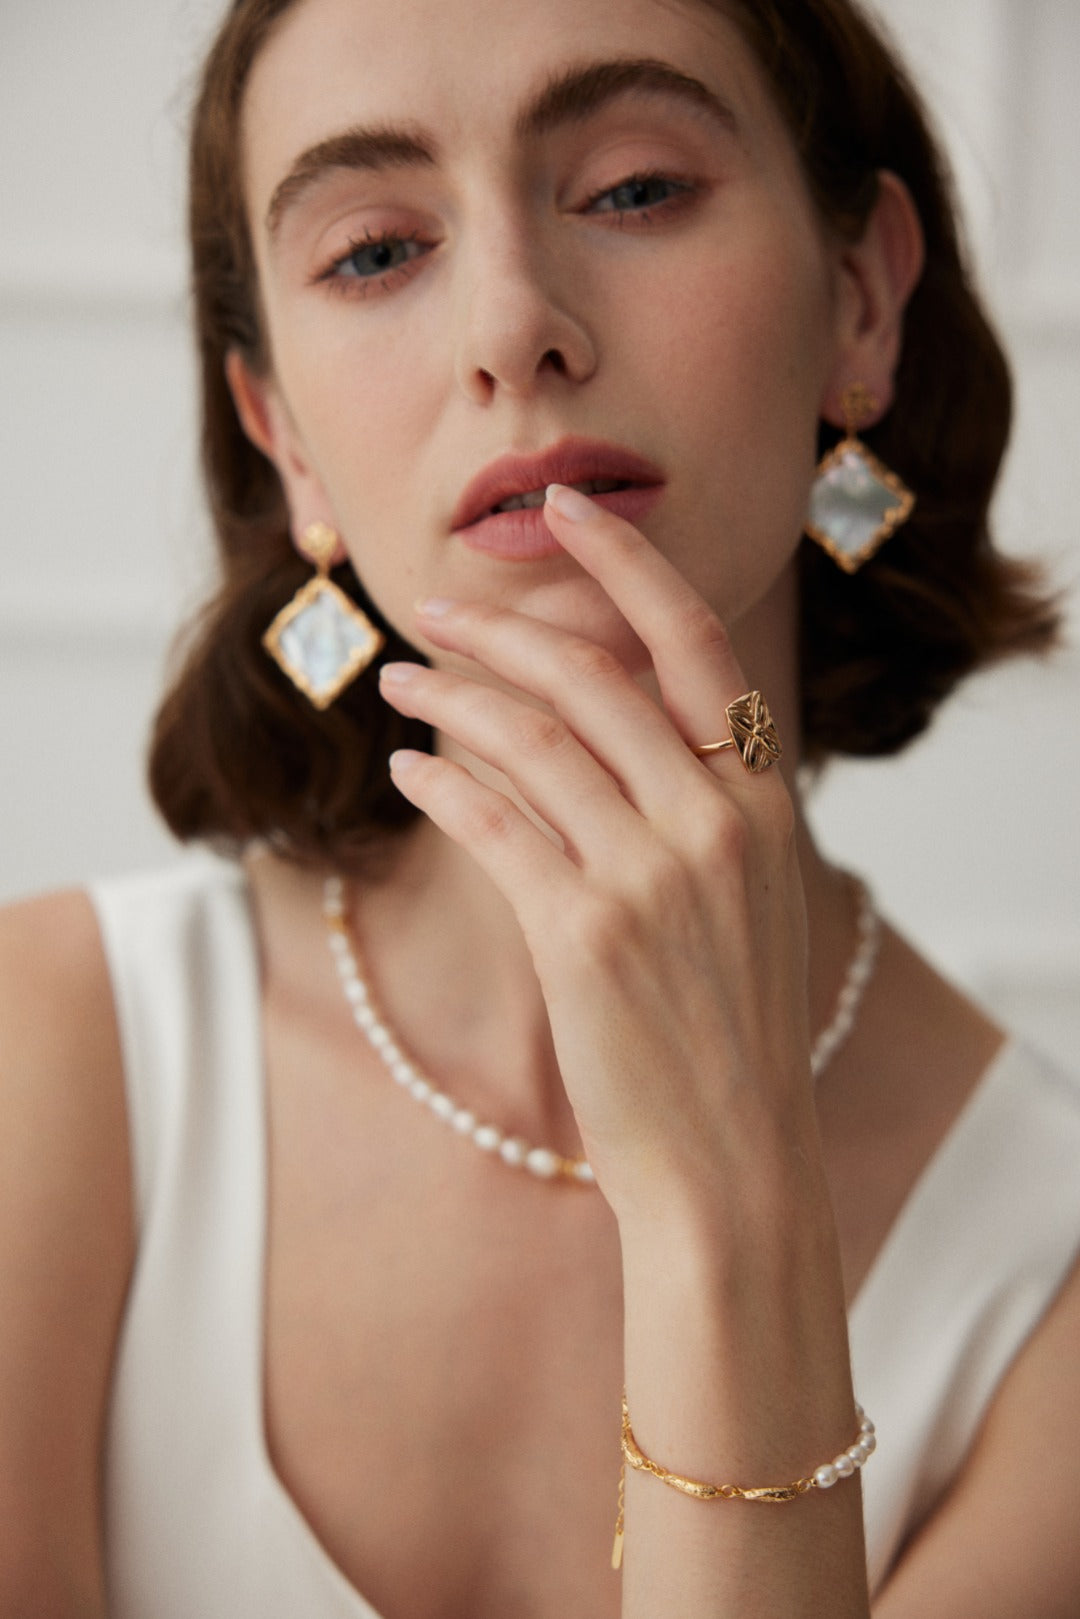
[[970, 839]]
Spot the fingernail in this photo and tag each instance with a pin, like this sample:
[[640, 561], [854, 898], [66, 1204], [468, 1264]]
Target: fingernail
[[402, 758], [396, 674], [436, 606], [570, 503]]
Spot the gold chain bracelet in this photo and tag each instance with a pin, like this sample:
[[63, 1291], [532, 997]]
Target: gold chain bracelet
[[843, 1466]]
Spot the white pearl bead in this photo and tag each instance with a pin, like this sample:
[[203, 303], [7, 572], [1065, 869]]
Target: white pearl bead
[[339, 944], [869, 1443], [487, 1138], [583, 1171], [444, 1106], [365, 1019], [404, 1072], [380, 1037], [857, 1454], [420, 1089], [513, 1150], [844, 1465], [464, 1122], [826, 1476], [355, 993], [542, 1162]]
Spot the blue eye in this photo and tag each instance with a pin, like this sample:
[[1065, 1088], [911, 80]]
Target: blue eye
[[638, 193], [376, 256]]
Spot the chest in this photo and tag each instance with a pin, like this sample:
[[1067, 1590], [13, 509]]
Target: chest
[[443, 1346], [443, 1361]]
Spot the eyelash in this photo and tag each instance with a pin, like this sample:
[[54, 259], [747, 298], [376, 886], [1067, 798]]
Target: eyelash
[[349, 286]]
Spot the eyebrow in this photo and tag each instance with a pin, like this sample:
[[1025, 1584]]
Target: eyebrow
[[572, 96]]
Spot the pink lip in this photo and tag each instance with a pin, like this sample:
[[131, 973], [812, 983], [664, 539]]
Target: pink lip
[[523, 536], [572, 460]]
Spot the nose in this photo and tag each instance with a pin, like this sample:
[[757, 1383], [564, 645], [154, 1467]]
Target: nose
[[517, 330]]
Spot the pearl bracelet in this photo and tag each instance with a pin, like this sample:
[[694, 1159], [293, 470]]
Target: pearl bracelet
[[843, 1466]]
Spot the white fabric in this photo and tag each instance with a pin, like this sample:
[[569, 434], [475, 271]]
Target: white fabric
[[198, 1522]]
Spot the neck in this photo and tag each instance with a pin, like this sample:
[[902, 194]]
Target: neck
[[454, 975]]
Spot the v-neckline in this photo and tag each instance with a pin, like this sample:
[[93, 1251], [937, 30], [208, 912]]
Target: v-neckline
[[875, 1284]]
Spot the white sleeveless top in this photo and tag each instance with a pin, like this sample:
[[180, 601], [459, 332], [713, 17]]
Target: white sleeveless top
[[198, 1525]]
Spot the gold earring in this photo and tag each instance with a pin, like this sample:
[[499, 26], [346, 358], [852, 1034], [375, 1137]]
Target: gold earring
[[855, 501], [321, 639]]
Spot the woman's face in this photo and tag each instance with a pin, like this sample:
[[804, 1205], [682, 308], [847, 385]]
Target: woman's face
[[479, 266]]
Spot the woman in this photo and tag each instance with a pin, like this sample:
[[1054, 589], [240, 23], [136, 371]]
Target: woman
[[303, 1343]]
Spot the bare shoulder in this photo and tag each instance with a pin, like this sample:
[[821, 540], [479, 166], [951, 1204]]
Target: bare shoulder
[[66, 1238], [1003, 1544], [60, 1062], [54, 981]]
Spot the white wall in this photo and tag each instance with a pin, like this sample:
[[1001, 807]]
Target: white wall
[[970, 838], [102, 537]]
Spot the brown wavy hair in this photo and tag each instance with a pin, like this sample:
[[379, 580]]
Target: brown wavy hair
[[237, 754]]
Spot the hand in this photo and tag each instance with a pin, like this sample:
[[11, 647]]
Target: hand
[[668, 932]]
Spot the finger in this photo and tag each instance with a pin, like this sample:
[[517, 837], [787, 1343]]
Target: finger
[[553, 772], [697, 670], [587, 686], [534, 876]]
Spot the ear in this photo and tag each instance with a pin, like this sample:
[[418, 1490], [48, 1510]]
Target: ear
[[265, 418], [878, 274]]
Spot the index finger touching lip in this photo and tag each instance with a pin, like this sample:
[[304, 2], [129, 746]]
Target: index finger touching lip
[[695, 665]]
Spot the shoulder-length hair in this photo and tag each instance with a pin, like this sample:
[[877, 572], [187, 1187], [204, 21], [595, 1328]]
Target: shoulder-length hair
[[237, 754]]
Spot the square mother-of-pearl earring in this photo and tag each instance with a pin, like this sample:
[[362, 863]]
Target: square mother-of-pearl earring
[[856, 502], [321, 639]]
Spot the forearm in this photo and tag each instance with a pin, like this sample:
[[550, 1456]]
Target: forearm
[[737, 1372]]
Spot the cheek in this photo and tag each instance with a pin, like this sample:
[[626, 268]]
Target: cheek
[[368, 413], [363, 407], [745, 370], [753, 333]]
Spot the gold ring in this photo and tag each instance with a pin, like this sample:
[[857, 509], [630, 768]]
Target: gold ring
[[753, 734]]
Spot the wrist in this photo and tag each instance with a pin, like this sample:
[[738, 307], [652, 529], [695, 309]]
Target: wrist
[[735, 1310], [768, 1196]]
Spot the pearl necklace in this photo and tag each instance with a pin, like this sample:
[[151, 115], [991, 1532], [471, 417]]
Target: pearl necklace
[[542, 1161]]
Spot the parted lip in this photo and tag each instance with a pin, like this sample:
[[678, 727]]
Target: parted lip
[[572, 460]]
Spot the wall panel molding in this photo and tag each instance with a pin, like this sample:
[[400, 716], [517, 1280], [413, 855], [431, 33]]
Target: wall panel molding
[[48, 621], [1047, 309], [129, 279]]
